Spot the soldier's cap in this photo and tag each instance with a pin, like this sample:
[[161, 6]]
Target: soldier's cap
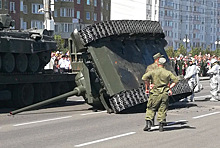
[[156, 56], [162, 61]]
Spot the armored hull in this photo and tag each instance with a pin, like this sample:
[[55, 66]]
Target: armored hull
[[23, 55]]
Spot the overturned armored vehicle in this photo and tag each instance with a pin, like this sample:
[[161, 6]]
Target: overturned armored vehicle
[[115, 55]]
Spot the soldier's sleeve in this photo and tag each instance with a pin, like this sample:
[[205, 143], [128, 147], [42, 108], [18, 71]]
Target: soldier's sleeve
[[146, 76], [173, 78]]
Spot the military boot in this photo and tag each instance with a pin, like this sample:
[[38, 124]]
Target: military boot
[[161, 127], [148, 125]]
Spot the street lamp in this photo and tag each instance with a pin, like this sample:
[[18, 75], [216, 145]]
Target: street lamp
[[217, 43], [186, 40]]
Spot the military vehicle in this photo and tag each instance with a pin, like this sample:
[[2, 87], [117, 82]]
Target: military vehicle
[[23, 55], [113, 57]]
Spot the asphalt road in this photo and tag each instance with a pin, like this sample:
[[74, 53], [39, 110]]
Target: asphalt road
[[74, 125]]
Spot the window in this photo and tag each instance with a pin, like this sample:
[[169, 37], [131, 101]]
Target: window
[[6, 4], [87, 15], [37, 24], [55, 13], [56, 28], [25, 9], [101, 16], [36, 7], [66, 12], [101, 3], [66, 27], [95, 3], [95, 16], [23, 24], [78, 2], [12, 6], [78, 14], [21, 5], [88, 2], [107, 6]]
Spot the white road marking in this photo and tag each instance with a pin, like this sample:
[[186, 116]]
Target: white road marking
[[203, 96], [93, 113], [201, 116], [105, 139], [40, 121]]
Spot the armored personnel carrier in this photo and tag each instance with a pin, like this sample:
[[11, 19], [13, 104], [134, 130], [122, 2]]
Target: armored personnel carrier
[[23, 55], [114, 57]]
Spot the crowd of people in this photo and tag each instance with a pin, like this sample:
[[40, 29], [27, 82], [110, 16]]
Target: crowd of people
[[59, 62], [203, 63]]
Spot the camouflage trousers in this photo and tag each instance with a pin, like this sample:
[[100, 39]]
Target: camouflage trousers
[[157, 102]]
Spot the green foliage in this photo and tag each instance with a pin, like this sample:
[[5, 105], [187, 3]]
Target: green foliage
[[170, 51], [182, 50], [60, 44], [217, 52], [196, 51]]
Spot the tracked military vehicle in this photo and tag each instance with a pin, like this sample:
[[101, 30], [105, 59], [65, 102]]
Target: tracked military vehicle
[[114, 57], [23, 55], [23, 50]]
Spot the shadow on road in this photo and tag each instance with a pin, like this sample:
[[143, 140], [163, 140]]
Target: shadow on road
[[172, 128], [5, 109]]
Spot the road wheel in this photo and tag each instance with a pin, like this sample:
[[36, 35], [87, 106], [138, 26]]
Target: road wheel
[[33, 63], [23, 95], [21, 62], [59, 89], [42, 92], [8, 63]]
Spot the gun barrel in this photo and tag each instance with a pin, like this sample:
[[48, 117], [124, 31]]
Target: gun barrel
[[46, 102]]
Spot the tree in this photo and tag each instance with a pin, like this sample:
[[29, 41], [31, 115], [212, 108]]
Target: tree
[[196, 51], [181, 50], [170, 51], [60, 44]]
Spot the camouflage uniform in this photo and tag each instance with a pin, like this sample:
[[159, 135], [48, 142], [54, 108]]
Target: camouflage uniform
[[180, 65], [151, 67], [154, 65], [158, 99]]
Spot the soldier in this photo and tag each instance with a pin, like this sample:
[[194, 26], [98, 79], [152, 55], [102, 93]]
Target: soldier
[[158, 97], [214, 77], [154, 65], [180, 65]]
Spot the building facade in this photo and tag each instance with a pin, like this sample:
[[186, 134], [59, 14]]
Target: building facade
[[193, 23], [68, 14]]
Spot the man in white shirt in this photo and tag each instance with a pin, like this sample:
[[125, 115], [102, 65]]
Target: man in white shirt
[[214, 79]]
